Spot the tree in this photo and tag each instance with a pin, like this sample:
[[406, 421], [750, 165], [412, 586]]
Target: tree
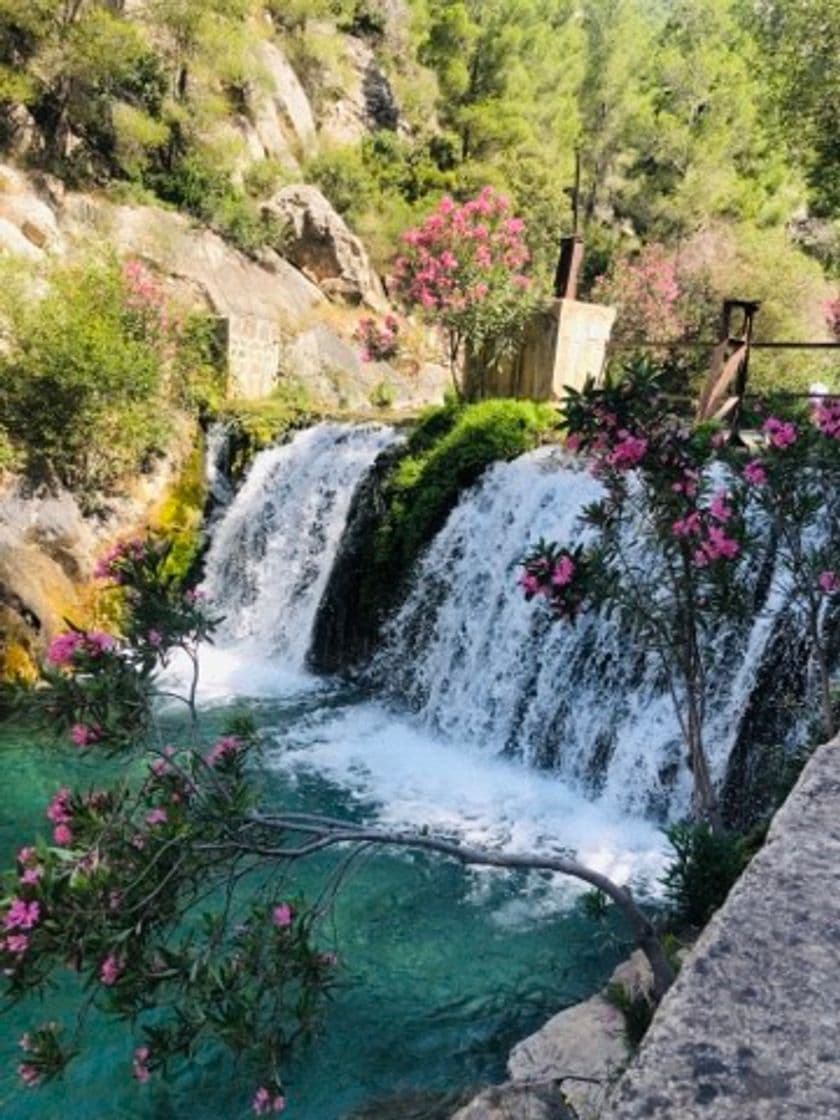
[[794, 483], [800, 46], [162, 892], [676, 551], [464, 271]]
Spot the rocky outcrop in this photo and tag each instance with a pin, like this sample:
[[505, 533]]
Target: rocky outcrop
[[747, 1032], [366, 103], [283, 116], [48, 548], [276, 313], [317, 240], [571, 1062]]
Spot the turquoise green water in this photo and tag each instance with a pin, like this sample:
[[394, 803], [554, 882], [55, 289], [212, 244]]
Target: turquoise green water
[[441, 970]]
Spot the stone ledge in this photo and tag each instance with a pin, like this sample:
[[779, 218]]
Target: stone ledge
[[748, 1032]]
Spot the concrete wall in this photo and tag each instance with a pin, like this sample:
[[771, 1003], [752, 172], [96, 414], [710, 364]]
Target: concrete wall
[[565, 344], [252, 346], [749, 1029]]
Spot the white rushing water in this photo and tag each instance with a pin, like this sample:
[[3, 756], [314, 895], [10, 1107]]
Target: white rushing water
[[499, 725], [480, 665], [272, 552]]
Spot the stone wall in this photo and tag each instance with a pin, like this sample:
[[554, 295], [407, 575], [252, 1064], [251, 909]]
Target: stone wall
[[748, 1031]]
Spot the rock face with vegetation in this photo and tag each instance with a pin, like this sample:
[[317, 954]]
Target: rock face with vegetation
[[746, 1030]]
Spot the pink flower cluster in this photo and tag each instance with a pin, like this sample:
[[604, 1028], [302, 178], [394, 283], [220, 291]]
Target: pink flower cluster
[[144, 296], [19, 920], [65, 648], [461, 254], [555, 575], [712, 542], [31, 870], [647, 293], [111, 564], [283, 915], [781, 434], [140, 1064], [380, 342], [85, 735], [628, 452], [111, 970], [226, 748], [826, 416], [58, 811], [755, 473], [829, 582], [265, 1102]]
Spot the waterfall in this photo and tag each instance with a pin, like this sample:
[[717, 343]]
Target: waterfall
[[271, 553], [478, 664]]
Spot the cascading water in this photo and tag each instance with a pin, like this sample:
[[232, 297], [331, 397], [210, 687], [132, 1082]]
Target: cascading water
[[271, 554], [478, 664]]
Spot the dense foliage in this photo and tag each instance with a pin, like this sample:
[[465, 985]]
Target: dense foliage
[[96, 370], [696, 120], [131, 891]]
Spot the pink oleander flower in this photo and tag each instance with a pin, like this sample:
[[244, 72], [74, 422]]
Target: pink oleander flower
[[111, 970], [63, 648], [83, 735], [264, 1102], [687, 526], [160, 768], [755, 474], [628, 452], [28, 1074], [22, 915], [27, 855], [16, 943], [826, 416], [563, 573], [31, 875], [140, 1064], [63, 835], [829, 582], [529, 583], [58, 810], [780, 433], [283, 915], [718, 546], [227, 747], [25, 1042], [157, 816], [719, 509]]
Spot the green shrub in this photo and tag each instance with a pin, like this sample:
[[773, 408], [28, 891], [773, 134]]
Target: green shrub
[[93, 370], [705, 867], [637, 1012], [383, 395], [449, 450]]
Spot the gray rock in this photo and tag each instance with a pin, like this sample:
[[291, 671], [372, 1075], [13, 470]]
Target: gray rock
[[517, 1102], [283, 112], [318, 241], [748, 1031]]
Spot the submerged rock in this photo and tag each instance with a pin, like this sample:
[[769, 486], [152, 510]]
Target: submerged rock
[[518, 1102]]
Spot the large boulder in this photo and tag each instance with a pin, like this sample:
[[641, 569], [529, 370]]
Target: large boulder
[[31, 215], [317, 241]]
